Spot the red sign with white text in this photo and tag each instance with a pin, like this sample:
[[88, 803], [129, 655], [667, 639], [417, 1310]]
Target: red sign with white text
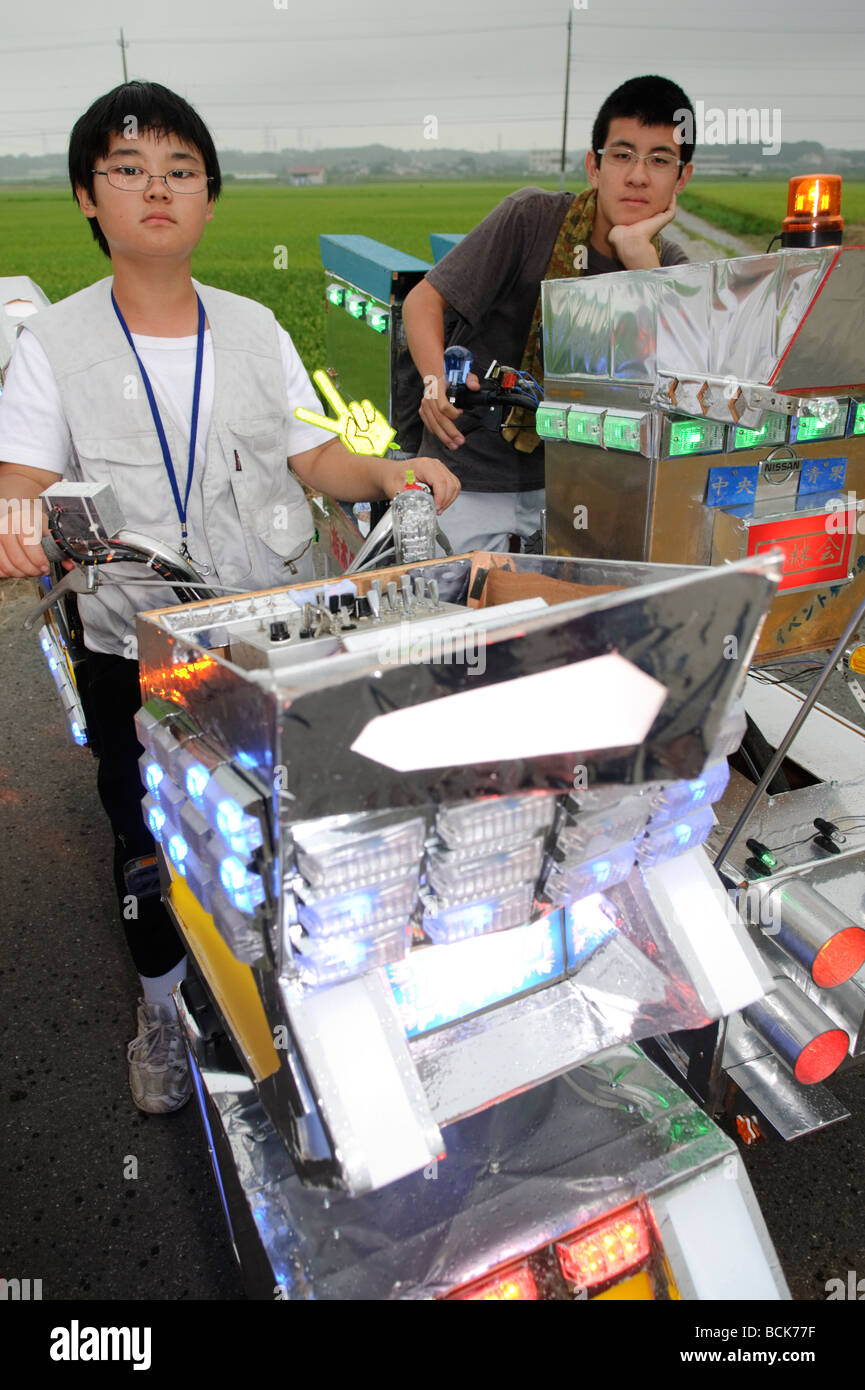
[[816, 548]]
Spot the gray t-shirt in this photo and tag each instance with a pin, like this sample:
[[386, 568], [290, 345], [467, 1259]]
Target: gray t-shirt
[[491, 280]]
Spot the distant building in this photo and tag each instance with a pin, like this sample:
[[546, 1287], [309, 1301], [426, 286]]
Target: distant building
[[302, 175], [548, 162]]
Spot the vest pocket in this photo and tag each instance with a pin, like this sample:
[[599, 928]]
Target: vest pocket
[[269, 498], [136, 472]]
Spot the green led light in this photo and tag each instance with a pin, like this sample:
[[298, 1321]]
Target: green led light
[[622, 432], [695, 437], [769, 860], [773, 431], [810, 427], [356, 305], [584, 427], [335, 295], [551, 422], [859, 419], [378, 318]]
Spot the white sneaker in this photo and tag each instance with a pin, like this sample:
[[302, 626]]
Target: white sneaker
[[158, 1070]]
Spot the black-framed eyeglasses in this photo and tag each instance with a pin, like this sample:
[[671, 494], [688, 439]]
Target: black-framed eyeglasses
[[130, 178], [657, 162]]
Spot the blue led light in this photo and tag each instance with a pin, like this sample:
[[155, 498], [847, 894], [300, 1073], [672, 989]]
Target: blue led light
[[241, 831], [153, 775], [78, 733], [197, 778], [52, 662], [667, 840], [177, 852], [680, 798], [45, 642], [440, 984], [248, 761], [601, 870], [244, 890], [156, 821]]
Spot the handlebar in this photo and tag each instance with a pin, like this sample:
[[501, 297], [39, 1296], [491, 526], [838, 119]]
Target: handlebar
[[463, 398]]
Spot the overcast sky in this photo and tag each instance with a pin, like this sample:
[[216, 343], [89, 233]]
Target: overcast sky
[[272, 73]]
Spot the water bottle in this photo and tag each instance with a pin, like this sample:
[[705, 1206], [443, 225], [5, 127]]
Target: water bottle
[[414, 522]]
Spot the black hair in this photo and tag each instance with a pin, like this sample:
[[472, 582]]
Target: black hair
[[139, 106], [651, 101]]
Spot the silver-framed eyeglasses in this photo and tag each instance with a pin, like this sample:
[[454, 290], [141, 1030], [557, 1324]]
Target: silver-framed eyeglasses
[[130, 178], [658, 163]]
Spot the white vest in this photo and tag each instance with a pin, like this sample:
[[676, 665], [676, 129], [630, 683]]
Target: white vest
[[255, 514]]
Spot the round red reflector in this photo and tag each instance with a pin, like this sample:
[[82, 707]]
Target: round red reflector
[[819, 1058], [840, 958]]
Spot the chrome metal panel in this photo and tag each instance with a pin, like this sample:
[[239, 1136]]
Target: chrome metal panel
[[614, 488], [517, 1176], [669, 623], [792, 1110], [653, 970], [821, 355], [731, 318]]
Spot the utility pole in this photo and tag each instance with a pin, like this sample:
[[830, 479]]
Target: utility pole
[[565, 117], [123, 47]]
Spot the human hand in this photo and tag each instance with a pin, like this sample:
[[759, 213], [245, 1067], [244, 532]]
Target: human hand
[[363, 429], [437, 412], [445, 486], [22, 525], [633, 244]]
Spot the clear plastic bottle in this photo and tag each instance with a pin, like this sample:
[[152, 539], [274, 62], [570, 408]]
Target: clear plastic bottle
[[414, 522]]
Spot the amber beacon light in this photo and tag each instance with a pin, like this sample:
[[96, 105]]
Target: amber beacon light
[[813, 211]]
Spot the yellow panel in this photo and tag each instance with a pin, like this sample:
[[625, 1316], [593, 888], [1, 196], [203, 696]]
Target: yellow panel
[[639, 1286], [231, 981]]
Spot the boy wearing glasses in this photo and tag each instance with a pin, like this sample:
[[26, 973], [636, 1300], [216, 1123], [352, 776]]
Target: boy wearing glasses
[[485, 295], [182, 397]]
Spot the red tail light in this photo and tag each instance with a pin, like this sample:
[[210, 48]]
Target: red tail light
[[515, 1284], [605, 1251]]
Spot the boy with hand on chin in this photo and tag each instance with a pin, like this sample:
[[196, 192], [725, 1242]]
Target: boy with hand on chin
[[182, 397], [485, 295]]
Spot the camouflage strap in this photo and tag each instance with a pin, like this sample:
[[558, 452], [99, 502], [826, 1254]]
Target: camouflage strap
[[567, 262]]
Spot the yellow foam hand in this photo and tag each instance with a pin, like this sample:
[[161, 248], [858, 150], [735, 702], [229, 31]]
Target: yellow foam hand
[[364, 429]]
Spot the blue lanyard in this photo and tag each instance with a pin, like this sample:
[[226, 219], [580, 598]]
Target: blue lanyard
[[157, 418]]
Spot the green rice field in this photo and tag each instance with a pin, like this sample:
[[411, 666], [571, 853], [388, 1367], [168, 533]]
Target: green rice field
[[43, 235]]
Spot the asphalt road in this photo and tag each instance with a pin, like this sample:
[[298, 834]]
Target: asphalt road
[[71, 1213], [100, 1201]]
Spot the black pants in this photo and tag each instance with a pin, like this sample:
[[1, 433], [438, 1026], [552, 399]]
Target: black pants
[[111, 697]]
